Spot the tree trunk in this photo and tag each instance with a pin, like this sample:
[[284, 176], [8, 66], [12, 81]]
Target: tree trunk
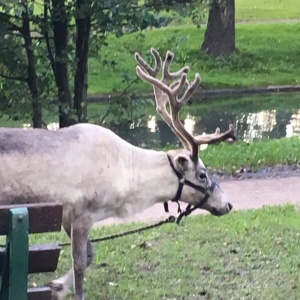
[[219, 38], [60, 31], [83, 28], [31, 70]]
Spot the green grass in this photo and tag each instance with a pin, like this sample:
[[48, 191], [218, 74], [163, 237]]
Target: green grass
[[5, 121], [266, 10], [268, 55], [246, 105], [253, 155], [256, 11], [252, 254]]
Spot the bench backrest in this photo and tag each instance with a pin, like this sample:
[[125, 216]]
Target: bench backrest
[[19, 259]]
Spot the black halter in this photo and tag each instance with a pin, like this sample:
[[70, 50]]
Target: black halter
[[182, 181]]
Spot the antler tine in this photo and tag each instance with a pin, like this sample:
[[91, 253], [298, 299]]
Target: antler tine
[[216, 137], [176, 88], [158, 63], [167, 75], [190, 90], [147, 77], [176, 104]]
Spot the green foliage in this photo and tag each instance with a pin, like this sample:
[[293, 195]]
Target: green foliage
[[251, 254], [67, 54], [15, 101], [16, 95]]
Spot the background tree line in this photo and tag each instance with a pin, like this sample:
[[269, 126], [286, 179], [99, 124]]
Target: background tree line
[[45, 47]]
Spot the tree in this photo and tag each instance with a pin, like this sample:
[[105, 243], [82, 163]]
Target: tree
[[15, 24], [67, 30], [219, 38], [71, 48], [60, 56]]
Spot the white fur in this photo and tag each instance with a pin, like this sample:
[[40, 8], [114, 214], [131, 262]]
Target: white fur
[[95, 175]]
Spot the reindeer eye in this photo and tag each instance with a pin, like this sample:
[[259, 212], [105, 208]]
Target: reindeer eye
[[202, 176]]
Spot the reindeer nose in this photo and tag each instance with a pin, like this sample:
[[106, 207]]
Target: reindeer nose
[[230, 206]]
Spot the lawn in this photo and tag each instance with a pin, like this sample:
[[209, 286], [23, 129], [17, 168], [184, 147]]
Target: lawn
[[253, 155], [266, 10], [252, 254], [267, 55], [257, 11]]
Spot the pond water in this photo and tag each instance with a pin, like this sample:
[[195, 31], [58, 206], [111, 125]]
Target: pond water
[[256, 117]]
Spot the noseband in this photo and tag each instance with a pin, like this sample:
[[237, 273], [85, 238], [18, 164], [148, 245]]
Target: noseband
[[182, 181]]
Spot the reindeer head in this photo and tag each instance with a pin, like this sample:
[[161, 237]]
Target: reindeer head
[[196, 186]]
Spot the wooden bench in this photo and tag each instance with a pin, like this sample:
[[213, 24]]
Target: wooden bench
[[19, 259]]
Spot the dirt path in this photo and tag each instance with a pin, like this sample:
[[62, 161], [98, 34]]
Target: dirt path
[[244, 194], [287, 21]]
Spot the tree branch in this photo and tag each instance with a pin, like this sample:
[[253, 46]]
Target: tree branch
[[12, 26], [47, 38], [8, 16], [17, 78], [122, 94]]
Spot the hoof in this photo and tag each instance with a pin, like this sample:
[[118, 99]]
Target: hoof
[[58, 291]]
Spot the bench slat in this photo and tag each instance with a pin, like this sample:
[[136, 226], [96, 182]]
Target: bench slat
[[42, 258], [45, 217], [39, 293]]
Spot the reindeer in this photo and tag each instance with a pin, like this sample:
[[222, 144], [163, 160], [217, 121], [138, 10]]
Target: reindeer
[[95, 174]]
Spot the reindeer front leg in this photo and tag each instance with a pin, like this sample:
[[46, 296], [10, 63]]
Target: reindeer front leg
[[61, 286]]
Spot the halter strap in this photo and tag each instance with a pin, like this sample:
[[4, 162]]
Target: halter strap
[[182, 181]]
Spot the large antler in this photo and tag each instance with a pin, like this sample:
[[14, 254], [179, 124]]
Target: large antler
[[228, 136], [177, 95], [161, 98]]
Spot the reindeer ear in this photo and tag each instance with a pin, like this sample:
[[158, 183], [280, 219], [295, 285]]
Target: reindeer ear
[[182, 162]]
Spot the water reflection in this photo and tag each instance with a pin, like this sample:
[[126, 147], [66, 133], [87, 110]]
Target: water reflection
[[293, 128], [259, 123], [251, 119], [272, 123]]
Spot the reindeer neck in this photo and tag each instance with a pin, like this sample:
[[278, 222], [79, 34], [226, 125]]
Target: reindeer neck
[[152, 180]]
